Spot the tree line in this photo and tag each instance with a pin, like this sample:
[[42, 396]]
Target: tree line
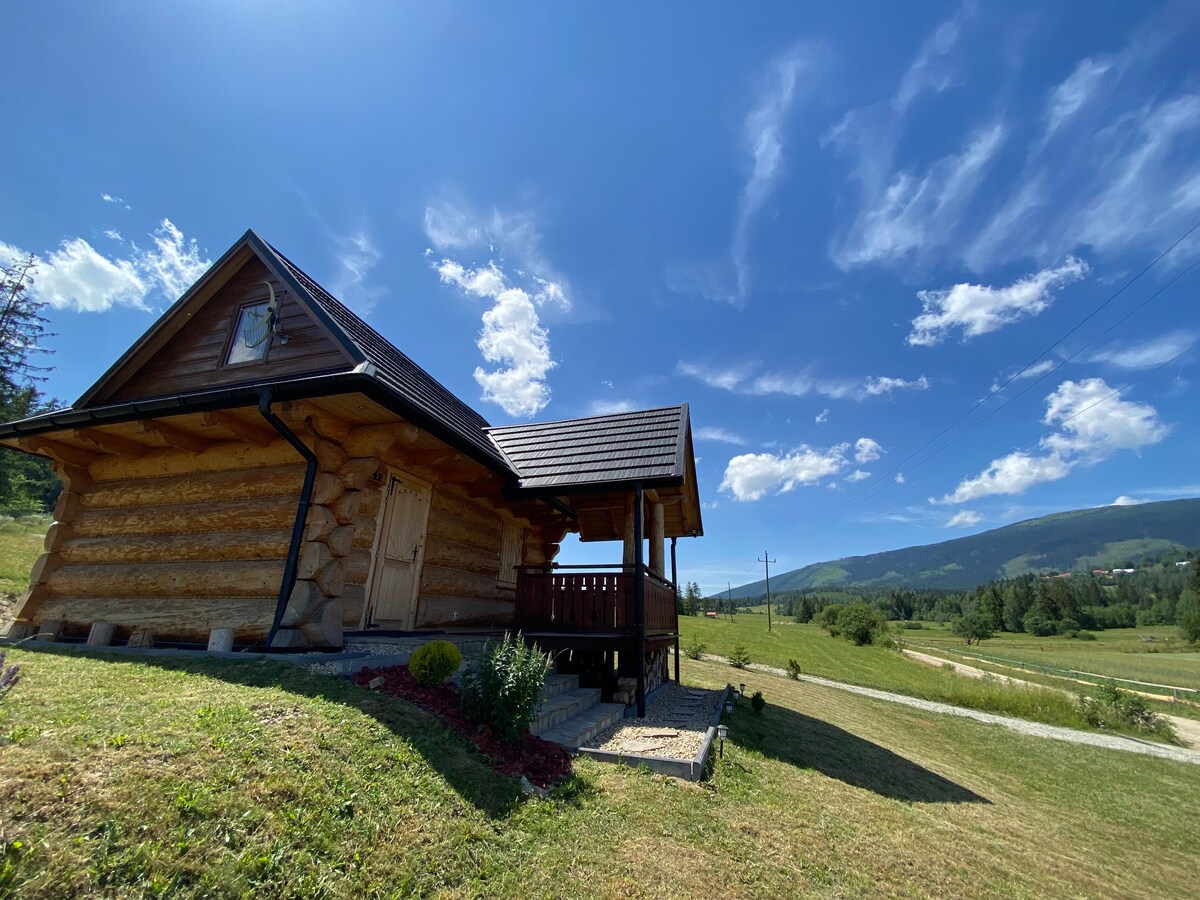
[[27, 483]]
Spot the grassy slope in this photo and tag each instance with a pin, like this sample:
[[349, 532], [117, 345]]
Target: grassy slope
[[820, 654], [220, 779]]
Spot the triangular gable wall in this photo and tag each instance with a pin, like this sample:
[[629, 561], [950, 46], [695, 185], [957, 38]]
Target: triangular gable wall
[[187, 349]]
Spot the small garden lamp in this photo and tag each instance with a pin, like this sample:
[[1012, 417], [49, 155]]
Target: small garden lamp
[[722, 733], [728, 708], [742, 689]]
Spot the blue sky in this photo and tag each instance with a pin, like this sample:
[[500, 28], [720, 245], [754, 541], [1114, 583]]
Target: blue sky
[[858, 240]]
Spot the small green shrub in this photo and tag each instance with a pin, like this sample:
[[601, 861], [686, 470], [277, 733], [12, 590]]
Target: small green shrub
[[1080, 635], [504, 689], [695, 649], [827, 618], [739, 657], [434, 662], [757, 702], [1114, 707], [912, 626], [793, 670], [860, 623]]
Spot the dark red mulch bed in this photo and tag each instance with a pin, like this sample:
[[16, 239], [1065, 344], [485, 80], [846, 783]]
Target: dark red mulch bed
[[542, 762]]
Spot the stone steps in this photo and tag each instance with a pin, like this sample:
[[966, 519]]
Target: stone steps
[[571, 715]]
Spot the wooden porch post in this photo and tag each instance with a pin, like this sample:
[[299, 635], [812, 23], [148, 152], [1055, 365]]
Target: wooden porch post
[[657, 540], [629, 554], [639, 598], [675, 590]]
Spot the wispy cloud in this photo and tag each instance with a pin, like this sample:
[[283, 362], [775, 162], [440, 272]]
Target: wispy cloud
[[1093, 424], [975, 309], [745, 378], [822, 417], [1034, 370], [1075, 92], [964, 519], [724, 435], [764, 136], [1149, 353], [109, 198], [609, 407], [357, 256], [78, 276], [1125, 500]]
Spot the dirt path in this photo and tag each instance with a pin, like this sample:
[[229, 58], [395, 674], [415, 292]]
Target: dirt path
[[1024, 726], [1188, 730]]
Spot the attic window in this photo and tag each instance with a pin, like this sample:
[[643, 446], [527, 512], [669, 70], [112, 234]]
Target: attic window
[[251, 336]]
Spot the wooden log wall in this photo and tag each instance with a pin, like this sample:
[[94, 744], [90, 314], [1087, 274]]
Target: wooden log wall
[[177, 543]]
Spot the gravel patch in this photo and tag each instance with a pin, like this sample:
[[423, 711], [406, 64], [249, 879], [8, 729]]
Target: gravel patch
[[1024, 726], [674, 727]]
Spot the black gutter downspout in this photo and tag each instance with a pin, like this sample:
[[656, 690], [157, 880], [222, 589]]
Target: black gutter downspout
[[675, 588], [310, 477], [639, 598]]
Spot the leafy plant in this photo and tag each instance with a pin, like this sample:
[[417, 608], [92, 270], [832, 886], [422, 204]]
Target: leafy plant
[[793, 670], [973, 628], [1113, 706], [757, 702], [695, 649], [739, 656], [434, 662], [504, 689], [860, 623], [9, 675]]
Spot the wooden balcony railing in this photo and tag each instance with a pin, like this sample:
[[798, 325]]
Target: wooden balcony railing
[[592, 600]]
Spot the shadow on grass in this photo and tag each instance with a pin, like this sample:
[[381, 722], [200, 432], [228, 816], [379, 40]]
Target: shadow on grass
[[465, 769], [809, 743]]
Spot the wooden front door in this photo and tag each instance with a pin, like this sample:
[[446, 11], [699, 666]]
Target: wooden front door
[[396, 577]]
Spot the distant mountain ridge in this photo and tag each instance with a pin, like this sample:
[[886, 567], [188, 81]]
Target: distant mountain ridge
[[1082, 539]]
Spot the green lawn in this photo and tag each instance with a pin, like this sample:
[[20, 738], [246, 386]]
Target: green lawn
[[20, 546], [871, 666], [212, 779]]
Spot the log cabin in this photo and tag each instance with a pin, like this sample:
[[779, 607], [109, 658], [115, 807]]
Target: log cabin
[[263, 468]]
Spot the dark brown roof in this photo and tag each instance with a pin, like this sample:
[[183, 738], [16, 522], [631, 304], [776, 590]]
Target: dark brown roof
[[394, 370], [647, 446]]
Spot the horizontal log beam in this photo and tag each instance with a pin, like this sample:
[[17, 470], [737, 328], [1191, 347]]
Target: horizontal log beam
[[175, 437], [227, 578], [111, 443], [262, 435], [170, 618], [234, 484], [63, 453], [266, 513], [209, 547]]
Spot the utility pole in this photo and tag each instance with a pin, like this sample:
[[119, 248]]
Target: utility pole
[[766, 561]]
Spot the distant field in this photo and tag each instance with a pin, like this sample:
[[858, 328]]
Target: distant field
[[1118, 653], [20, 546], [820, 654]]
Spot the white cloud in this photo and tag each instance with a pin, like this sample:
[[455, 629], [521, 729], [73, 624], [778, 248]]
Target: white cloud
[[1093, 424], [512, 334], [1011, 474], [356, 256], [822, 417], [900, 479], [867, 450], [1127, 501], [977, 309], [113, 235], [109, 198], [751, 476], [964, 519], [520, 281], [882, 384], [930, 70], [1148, 354], [858, 475], [609, 407], [708, 433], [78, 276]]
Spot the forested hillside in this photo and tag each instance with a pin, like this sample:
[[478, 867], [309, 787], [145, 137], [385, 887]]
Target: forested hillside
[[1080, 540]]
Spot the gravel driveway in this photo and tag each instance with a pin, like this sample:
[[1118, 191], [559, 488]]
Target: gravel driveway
[[1037, 729]]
